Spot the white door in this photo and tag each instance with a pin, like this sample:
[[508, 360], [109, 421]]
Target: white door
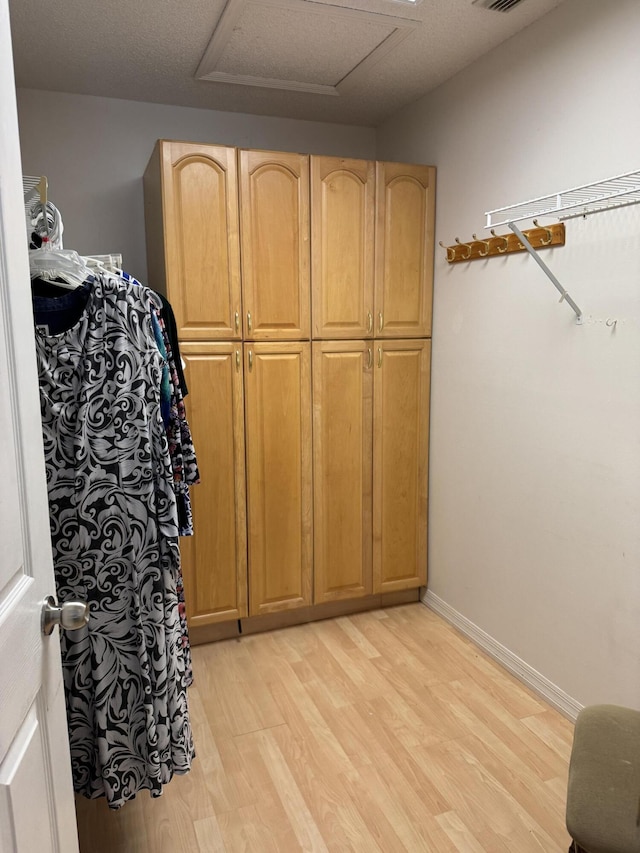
[[36, 797]]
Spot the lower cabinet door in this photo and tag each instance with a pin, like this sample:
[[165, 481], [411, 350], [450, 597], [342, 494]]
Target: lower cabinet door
[[400, 459], [279, 489], [342, 469], [214, 559]]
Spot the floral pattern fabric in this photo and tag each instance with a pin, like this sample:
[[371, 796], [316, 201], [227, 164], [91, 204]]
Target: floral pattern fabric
[[181, 452], [114, 533]]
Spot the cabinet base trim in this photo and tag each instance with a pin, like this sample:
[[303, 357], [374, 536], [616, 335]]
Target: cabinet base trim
[[270, 622]]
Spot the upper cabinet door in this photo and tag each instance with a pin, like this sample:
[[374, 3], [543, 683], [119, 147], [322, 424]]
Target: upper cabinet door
[[274, 190], [201, 239], [342, 222], [405, 218]]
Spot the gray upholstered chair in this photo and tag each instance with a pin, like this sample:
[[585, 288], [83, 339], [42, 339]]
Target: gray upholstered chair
[[603, 796]]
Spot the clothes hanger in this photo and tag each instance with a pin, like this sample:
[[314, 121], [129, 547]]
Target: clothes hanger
[[63, 267], [44, 219], [98, 265]]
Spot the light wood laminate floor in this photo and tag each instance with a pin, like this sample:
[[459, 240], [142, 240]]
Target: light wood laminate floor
[[384, 731]]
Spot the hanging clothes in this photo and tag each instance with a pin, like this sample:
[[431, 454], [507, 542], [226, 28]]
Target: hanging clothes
[[114, 531], [184, 467], [181, 449], [172, 331]]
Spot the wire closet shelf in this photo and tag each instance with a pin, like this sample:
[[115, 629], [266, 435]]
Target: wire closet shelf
[[609, 194]]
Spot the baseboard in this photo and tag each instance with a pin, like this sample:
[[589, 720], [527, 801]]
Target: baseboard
[[550, 692], [234, 628]]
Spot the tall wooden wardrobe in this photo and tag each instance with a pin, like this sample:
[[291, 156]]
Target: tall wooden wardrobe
[[302, 287]]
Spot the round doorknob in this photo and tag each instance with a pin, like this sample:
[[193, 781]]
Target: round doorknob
[[70, 616]]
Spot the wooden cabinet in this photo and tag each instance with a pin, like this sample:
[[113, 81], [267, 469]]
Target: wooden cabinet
[[279, 492], [405, 220], [400, 455], [193, 246], [215, 558], [355, 445], [274, 190], [258, 252], [342, 247], [342, 469], [278, 499]]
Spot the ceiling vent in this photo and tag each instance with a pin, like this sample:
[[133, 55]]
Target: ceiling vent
[[497, 5]]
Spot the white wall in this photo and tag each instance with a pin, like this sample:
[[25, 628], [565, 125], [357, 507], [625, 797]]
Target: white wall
[[95, 150], [535, 446]]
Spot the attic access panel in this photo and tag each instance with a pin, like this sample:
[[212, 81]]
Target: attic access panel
[[299, 45]]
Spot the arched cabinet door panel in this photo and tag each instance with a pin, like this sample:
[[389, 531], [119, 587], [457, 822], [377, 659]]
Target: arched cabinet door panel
[[342, 245], [405, 220], [191, 199], [274, 192]]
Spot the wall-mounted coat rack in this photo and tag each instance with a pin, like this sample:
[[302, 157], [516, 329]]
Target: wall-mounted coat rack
[[540, 237]]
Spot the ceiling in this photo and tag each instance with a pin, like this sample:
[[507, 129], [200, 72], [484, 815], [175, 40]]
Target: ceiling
[[347, 61]]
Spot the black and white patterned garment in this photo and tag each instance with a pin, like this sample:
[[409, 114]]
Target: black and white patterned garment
[[115, 542]]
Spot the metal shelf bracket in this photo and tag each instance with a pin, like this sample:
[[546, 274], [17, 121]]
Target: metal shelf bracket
[[564, 296]]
